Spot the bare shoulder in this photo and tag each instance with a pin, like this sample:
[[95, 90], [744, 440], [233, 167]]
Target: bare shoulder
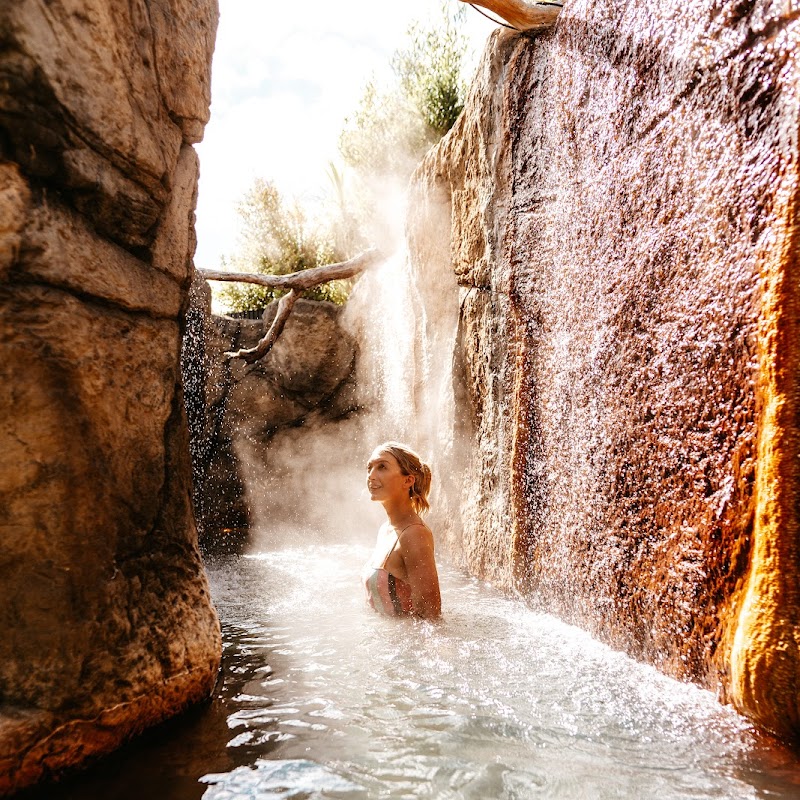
[[417, 535]]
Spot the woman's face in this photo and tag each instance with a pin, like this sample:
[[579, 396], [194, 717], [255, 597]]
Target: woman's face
[[385, 479]]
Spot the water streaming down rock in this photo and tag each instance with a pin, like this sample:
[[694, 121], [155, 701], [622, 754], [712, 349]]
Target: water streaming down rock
[[617, 205], [404, 377]]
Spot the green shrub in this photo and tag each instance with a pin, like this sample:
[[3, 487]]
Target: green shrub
[[277, 240], [393, 128]]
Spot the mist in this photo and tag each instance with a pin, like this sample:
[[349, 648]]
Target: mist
[[308, 483]]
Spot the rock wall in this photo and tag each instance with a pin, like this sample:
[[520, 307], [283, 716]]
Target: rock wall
[[618, 204], [107, 623], [236, 410]]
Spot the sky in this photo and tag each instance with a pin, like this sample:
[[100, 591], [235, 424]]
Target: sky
[[284, 77]]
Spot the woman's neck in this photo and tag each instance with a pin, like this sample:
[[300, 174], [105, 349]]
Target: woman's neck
[[400, 513]]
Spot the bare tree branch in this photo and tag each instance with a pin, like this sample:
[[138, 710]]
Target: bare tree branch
[[305, 279], [297, 283], [253, 354], [524, 15]]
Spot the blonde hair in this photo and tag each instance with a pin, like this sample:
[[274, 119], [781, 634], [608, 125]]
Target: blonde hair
[[411, 464]]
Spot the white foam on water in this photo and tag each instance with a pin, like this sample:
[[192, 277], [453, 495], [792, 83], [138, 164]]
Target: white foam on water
[[495, 701]]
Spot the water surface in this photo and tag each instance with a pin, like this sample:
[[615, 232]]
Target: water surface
[[322, 698]]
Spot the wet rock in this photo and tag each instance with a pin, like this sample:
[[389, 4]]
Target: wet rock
[[305, 380], [620, 201], [107, 623]]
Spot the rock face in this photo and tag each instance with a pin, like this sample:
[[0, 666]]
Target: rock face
[[618, 204], [107, 622], [236, 409]]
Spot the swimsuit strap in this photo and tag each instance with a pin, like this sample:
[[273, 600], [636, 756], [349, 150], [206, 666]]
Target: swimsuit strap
[[406, 528], [397, 541]]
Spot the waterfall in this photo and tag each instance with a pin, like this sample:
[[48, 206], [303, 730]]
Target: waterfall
[[405, 370], [382, 316]]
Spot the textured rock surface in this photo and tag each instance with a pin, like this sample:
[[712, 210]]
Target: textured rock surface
[[107, 623], [236, 409], [620, 198]]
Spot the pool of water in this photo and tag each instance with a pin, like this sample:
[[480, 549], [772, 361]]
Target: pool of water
[[320, 697]]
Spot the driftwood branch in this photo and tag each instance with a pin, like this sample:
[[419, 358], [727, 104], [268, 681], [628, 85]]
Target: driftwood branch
[[524, 15], [305, 279], [285, 306], [297, 283]]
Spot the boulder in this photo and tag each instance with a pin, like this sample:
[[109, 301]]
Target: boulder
[[616, 211], [108, 627]]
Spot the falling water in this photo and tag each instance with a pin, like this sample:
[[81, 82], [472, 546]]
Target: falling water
[[381, 315]]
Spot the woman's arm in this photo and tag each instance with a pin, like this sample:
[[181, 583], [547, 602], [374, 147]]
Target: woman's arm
[[416, 548]]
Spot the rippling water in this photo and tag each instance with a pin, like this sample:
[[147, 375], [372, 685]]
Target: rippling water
[[322, 698]]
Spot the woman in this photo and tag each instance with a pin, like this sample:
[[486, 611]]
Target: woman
[[401, 577]]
